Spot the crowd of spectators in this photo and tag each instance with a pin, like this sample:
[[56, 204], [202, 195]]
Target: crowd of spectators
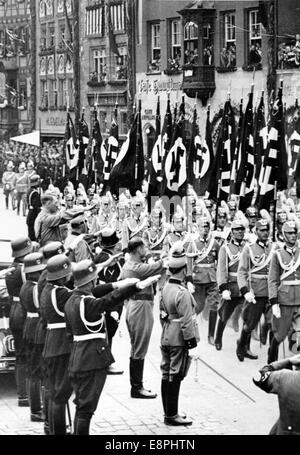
[[47, 159], [289, 54]]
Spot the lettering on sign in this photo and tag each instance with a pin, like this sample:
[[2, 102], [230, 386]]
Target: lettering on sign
[[156, 86], [55, 121]]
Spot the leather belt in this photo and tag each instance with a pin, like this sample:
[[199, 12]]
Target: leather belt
[[32, 315], [291, 282], [256, 275], [56, 325], [141, 297], [89, 336], [16, 299], [204, 266], [233, 274]]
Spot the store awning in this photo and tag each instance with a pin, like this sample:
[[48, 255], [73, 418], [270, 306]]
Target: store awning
[[31, 138]]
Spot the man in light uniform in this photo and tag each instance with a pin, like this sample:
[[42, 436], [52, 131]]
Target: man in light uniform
[[136, 224]]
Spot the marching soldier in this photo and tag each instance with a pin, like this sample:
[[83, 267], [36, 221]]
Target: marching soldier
[[253, 284], [34, 205], [154, 236], [21, 189], [9, 183], [121, 215], [57, 346], [178, 233], [283, 379], [281, 218], [252, 216], [179, 336], [106, 217], [232, 206], [14, 281], [30, 171], [135, 224], [228, 261], [222, 232], [33, 266], [202, 254], [284, 289], [109, 243], [139, 314], [91, 355]]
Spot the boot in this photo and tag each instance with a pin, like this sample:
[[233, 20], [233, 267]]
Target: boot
[[220, 329], [136, 369], [172, 418], [264, 333], [164, 394], [241, 345], [45, 399], [273, 351], [75, 423], [20, 375], [34, 395], [248, 353], [211, 326], [235, 318], [58, 412], [82, 426]]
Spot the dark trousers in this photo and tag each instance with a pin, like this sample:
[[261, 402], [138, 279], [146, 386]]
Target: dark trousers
[[227, 307], [59, 384], [87, 386], [252, 312]]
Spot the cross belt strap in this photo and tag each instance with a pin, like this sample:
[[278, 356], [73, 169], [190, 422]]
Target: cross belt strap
[[259, 277], [32, 315], [89, 336], [232, 274], [16, 299], [57, 325], [194, 317], [205, 266]]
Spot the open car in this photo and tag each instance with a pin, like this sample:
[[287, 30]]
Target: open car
[[7, 348]]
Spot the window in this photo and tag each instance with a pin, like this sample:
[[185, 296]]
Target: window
[[70, 91], [2, 43], [51, 36], [94, 19], [175, 40], [121, 64], [23, 95], [117, 17], [44, 94], [103, 121], [61, 92], [228, 52], [99, 65], [191, 43], [154, 64], [43, 38], [254, 56], [123, 125]]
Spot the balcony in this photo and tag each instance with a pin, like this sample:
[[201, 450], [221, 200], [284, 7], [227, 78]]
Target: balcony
[[199, 81]]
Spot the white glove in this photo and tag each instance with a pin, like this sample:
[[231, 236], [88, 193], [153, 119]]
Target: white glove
[[148, 282], [191, 287], [276, 311], [126, 282], [250, 297], [226, 295], [127, 256], [75, 242], [151, 260], [194, 353], [5, 272], [115, 315]]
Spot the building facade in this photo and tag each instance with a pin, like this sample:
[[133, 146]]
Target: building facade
[[15, 81]]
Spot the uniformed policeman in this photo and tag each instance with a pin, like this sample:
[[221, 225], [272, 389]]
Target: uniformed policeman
[[57, 346], [50, 250], [14, 281], [253, 284], [134, 225], [91, 354], [9, 183], [34, 205], [139, 314], [283, 379], [228, 261], [179, 335], [109, 243], [202, 254], [284, 289], [33, 266]]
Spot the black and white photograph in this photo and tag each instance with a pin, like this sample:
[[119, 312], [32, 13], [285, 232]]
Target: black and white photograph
[[149, 221]]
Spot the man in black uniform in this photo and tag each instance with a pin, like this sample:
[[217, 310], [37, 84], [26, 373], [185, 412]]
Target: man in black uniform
[[33, 266], [85, 320], [57, 346], [14, 281], [34, 205], [108, 242]]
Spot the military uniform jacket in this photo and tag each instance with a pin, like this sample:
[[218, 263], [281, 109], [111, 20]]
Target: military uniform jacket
[[34, 200], [253, 268], [133, 227], [286, 384], [52, 304], [14, 282], [228, 261], [109, 274], [181, 324], [85, 316], [106, 220], [81, 251], [202, 259], [284, 277], [134, 269], [21, 183], [9, 180], [41, 329], [30, 303], [154, 239]]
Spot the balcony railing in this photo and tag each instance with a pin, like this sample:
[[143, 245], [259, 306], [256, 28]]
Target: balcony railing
[[199, 80]]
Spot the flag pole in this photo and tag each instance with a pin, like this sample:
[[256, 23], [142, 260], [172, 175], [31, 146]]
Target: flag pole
[[275, 187], [137, 142]]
